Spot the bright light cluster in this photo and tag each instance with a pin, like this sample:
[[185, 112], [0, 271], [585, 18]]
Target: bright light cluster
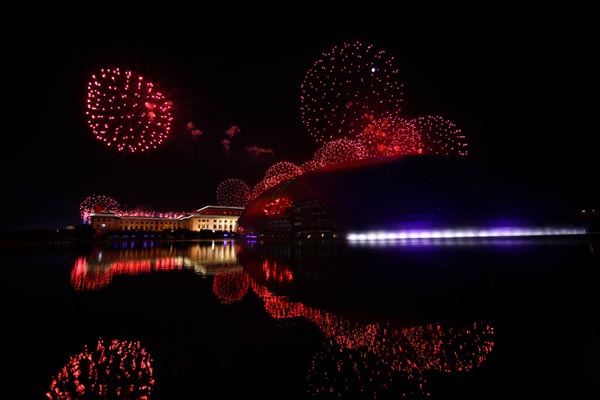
[[126, 111]]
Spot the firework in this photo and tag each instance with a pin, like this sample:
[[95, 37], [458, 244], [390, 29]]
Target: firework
[[344, 84], [280, 172], [389, 136], [440, 137], [339, 151], [126, 111], [96, 203], [260, 187], [310, 165], [233, 192]]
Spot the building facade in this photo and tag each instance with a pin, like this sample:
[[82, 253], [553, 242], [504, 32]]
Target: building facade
[[404, 193], [213, 218]]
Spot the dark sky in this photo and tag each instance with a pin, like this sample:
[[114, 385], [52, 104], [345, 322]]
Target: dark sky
[[519, 85]]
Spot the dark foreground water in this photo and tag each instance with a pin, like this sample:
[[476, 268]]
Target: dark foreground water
[[492, 319]]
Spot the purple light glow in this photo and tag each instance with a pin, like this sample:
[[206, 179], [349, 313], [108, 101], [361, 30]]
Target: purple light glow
[[463, 233]]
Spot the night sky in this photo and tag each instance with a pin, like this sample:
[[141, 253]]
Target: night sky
[[521, 88]]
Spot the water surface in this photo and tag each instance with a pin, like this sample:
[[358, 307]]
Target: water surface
[[469, 319]]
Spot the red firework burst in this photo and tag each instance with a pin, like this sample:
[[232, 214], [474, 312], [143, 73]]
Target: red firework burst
[[233, 192], [96, 203], [126, 111], [280, 172], [257, 190], [440, 137], [343, 85], [339, 151], [389, 136]]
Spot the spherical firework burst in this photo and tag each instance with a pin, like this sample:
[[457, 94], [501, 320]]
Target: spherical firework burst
[[126, 111], [96, 203], [440, 137], [339, 151], [310, 165], [343, 85], [233, 192], [389, 136], [257, 190], [280, 172], [116, 369]]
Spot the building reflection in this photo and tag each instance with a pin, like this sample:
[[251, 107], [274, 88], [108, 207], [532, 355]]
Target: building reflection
[[116, 369], [98, 268], [360, 356], [369, 354]]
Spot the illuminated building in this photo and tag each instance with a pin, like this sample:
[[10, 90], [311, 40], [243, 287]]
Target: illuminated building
[[214, 218], [409, 196]]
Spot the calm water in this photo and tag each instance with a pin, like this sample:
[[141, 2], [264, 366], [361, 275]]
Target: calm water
[[447, 319]]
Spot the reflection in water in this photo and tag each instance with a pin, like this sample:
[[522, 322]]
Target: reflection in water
[[231, 287], [116, 369], [372, 357], [369, 357], [101, 265], [274, 272]]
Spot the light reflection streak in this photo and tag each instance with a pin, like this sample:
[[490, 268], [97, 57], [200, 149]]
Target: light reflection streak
[[98, 269]]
